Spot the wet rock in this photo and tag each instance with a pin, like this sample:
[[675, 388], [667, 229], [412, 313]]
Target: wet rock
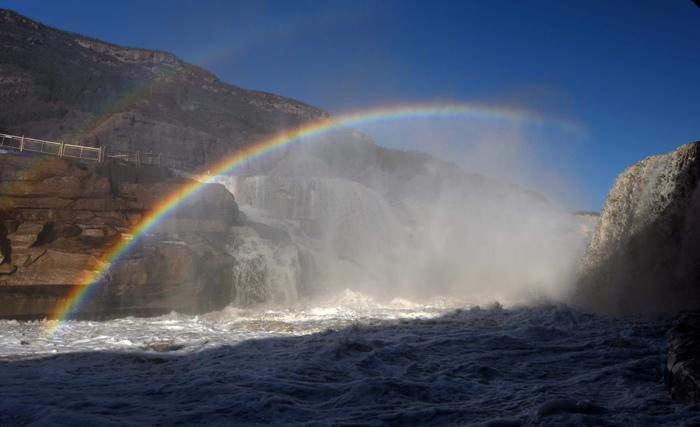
[[645, 253], [683, 362]]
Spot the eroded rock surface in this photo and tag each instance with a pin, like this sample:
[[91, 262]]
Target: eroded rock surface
[[683, 364], [645, 254], [59, 219]]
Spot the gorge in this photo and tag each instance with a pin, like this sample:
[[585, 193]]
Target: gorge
[[323, 279], [334, 211]]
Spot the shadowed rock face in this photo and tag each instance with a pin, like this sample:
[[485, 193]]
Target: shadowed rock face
[[683, 363], [59, 219], [64, 86], [645, 255]]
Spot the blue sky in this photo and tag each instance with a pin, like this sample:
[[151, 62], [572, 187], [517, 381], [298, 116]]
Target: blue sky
[[626, 71]]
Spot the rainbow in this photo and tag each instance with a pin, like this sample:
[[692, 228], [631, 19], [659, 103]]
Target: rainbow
[[81, 291]]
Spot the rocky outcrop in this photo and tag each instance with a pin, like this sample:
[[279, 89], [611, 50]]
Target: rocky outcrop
[[645, 253], [683, 363], [59, 219], [644, 256]]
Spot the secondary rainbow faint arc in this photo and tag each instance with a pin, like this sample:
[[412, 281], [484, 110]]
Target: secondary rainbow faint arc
[[229, 164]]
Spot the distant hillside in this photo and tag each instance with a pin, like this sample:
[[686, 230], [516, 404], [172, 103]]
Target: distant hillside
[[60, 85], [64, 86]]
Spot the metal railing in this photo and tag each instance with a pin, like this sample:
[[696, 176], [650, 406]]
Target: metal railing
[[60, 149], [83, 152]]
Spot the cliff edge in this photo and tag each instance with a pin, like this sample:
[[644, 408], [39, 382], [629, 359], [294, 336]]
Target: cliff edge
[[645, 254]]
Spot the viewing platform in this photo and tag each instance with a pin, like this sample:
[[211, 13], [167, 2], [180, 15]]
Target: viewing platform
[[80, 152]]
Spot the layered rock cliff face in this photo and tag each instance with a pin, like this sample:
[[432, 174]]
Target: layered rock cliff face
[[645, 255], [361, 210], [63, 86], [60, 218]]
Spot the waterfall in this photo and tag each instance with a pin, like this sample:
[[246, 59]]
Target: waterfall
[[478, 241], [264, 271], [346, 231]]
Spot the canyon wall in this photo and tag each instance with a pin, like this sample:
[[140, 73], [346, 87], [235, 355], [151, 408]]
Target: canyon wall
[[60, 218], [63, 86], [645, 254]]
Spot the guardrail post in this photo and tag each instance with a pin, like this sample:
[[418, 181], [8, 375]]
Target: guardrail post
[[138, 158], [60, 150], [102, 154], [21, 144]]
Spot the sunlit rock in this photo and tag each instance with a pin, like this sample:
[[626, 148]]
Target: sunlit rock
[[645, 254], [49, 247]]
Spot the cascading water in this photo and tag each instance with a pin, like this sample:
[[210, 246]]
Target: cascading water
[[264, 271], [345, 229], [306, 338], [481, 242]]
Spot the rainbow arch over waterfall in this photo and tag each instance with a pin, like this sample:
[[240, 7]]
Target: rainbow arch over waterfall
[[477, 112]]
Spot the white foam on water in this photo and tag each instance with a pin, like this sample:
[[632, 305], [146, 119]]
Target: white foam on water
[[345, 360]]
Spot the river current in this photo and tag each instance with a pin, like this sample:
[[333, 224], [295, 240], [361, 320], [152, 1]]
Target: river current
[[343, 361]]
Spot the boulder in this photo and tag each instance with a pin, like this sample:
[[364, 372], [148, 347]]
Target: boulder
[[60, 238], [683, 362]]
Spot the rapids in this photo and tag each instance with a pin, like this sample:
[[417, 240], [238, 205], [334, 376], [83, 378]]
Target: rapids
[[348, 360]]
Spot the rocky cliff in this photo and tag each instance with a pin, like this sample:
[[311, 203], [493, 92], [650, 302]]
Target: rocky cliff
[[67, 87], [59, 218], [63, 86], [645, 254], [337, 206]]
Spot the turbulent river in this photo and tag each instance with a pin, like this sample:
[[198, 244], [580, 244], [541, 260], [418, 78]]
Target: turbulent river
[[344, 361], [353, 360]]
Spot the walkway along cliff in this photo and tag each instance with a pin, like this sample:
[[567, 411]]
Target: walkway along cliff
[[82, 152]]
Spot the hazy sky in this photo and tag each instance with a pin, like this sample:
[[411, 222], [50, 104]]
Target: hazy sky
[[628, 72]]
